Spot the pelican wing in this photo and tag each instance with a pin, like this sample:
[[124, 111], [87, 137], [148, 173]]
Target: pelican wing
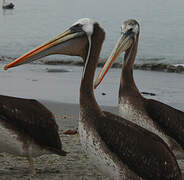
[[168, 118], [137, 147], [31, 119]]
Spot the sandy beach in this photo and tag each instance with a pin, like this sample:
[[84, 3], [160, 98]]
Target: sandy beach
[[57, 87]]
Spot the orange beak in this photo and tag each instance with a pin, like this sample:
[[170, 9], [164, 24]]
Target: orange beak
[[51, 47], [122, 45]]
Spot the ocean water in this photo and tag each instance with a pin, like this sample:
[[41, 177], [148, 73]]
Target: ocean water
[[33, 22]]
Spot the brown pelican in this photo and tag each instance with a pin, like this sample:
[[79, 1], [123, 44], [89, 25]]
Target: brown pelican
[[165, 121], [28, 129], [119, 148]]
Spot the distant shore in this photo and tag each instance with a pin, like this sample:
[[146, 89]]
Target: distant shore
[[151, 66], [146, 66]]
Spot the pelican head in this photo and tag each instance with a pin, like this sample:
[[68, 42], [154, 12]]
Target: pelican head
[[126, 43], [75, 41]]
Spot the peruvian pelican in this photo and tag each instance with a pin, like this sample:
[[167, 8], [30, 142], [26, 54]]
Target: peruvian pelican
[[28, 129], [119, 148], [157, 117]]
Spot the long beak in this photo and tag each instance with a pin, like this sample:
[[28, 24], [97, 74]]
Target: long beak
[[122, 45], [46, 49]]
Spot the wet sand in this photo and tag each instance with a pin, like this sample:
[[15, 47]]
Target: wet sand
[[59, 91], [75, 165]]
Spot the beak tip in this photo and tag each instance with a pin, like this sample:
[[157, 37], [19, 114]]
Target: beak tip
[[5, 67], [95, 85]]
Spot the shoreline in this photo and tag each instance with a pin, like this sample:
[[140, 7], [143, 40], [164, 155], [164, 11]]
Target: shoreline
[[162, 67], [151, 66], [62, 84]]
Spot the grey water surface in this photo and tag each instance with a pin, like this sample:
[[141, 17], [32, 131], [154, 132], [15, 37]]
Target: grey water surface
[[31, 23]]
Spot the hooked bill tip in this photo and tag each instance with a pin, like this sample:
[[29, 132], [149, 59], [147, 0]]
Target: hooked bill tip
[[5, 67], [95, 85]]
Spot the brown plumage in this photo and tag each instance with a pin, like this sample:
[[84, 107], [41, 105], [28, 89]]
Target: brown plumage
[[116, 146], [170, 120], [166, 121], [143, 152], [31, 120], [153, 115]]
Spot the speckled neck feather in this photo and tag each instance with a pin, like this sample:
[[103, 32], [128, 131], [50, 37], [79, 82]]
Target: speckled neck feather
[[87, 98], [127, 80]]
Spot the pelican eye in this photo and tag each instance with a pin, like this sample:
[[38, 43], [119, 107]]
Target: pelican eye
[[78, 25], [76, 28]]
